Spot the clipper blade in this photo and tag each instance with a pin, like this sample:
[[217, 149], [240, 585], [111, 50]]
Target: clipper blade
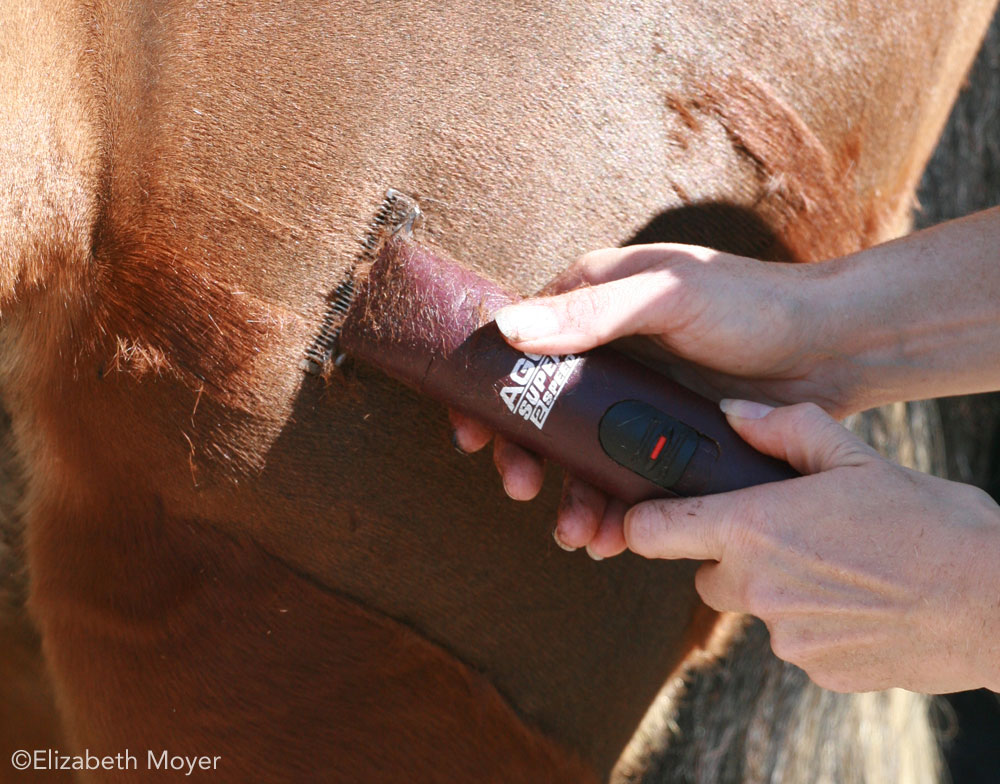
[[397, 214]]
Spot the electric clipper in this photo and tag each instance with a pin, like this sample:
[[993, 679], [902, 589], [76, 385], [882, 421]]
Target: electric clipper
[[428, 322]]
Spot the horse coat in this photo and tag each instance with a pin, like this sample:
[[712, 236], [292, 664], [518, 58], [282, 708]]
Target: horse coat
[[228, 558]]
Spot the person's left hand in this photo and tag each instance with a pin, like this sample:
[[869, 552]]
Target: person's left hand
[[868, 575]]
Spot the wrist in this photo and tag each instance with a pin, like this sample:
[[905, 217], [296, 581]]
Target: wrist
[[836, 324], [983, 627], [989, 666], [913, 318]]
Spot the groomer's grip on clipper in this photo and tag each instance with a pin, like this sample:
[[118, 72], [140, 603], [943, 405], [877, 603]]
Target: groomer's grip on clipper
[[609, 420]]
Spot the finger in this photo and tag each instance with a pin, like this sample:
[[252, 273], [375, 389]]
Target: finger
[[803, 435], [522, 471], [468, 435], [697, 528], [580, 512], [610, 538], [607, 264], [581, 319], [718, 588]]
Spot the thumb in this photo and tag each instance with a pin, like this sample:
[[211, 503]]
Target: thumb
[[803, 435], [590, 316]]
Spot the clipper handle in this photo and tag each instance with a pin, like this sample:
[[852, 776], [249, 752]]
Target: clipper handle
[[427, 322]]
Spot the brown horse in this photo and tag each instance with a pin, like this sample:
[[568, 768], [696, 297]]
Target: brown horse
[[231, 559]]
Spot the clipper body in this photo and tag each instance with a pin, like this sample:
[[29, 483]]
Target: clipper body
[[427, 322]]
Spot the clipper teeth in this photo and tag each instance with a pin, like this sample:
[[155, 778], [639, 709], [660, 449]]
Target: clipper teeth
[[397, 214], [323, 348]]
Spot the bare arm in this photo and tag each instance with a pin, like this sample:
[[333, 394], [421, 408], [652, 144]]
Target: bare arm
[[918, 317]]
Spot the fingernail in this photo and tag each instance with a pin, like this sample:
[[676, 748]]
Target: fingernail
[[506, 489], [594, 556], [458, 447], [561, 543], [745, 409], [527, 322]]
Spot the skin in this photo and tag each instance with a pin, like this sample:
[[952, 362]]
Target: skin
[[867, 574]]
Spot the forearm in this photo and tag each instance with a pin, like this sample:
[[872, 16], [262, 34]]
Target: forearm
[[918, 317], [985, 627], [976, 644]]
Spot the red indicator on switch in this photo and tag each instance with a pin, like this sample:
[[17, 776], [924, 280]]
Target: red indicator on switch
[[658, 448]]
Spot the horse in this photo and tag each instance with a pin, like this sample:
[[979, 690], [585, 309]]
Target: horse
[[229, 558]]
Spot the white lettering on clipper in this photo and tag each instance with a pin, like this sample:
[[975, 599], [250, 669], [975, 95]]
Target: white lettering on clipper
[[534, 384]]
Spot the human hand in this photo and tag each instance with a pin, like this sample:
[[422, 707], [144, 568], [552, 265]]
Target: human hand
[[729, 326], [868, 575]]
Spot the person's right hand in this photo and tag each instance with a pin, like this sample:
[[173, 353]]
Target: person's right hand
[[726, 326]]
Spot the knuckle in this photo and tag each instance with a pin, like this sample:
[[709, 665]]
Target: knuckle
[[796, 642], [670, 254], [593, 260], [758, 599], [716, 588], [667, 278], [837, 451], [804, 416], [812, 410], [706, 583], [834, 445], [585, 307], [779, 641], [652, 257], [785, 643], [805, 419], [888, 474]]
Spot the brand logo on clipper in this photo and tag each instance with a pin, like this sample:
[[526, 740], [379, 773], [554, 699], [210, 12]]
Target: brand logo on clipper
[[534, 384]]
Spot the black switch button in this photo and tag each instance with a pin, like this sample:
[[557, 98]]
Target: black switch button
[[645, 440]]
